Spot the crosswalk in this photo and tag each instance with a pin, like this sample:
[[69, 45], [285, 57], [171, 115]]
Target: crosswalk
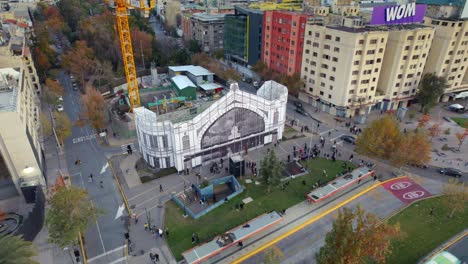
[[124, 148]]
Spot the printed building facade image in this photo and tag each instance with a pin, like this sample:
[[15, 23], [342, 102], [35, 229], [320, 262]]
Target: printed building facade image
[[236, 122]]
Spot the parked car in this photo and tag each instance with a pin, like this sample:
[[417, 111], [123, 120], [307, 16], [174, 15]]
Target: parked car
[[349, 139], [301, 111], [451, 172], [247, 79], [60, 108], [298, 104], [75, 86], [60, 99], [441, 154]]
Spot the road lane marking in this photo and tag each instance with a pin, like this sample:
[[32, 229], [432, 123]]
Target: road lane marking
[[99, 232], [308, 222], [118, 260], [106, 253], [325, 132]]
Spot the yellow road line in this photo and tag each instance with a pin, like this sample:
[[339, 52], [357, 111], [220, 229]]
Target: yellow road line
[[124, 197], [310, 221], [83, 251], [448, 245]]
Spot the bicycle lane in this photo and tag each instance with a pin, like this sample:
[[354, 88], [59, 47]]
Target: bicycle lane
[[301, 245]]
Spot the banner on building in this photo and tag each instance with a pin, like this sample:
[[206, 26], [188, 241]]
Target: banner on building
[[399, 14]]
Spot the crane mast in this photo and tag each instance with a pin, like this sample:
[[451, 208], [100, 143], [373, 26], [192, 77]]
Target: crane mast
[[121, 13]]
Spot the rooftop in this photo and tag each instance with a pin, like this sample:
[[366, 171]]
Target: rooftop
[[442, 2], [208, 17], [194, 70], [378, 28], [182, 82], [7, 100]]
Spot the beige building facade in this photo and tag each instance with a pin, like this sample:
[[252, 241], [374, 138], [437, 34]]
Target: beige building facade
[[21, 158], [449, 54], [341, 68], [405, 56]]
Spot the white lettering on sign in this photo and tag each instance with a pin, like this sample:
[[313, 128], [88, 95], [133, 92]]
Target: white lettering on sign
[[413, 195], [400, 185], [399, 12]]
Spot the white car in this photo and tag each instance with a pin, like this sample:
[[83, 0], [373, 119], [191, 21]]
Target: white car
[[60, 98], [255, 84], [60, 108]]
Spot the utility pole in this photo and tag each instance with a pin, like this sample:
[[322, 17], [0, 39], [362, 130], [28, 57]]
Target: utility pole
[[142, 59]]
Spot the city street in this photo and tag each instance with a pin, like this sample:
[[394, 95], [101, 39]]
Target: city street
[[107, 233]]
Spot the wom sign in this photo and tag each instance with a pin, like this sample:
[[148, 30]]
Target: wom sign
[[400, 14]]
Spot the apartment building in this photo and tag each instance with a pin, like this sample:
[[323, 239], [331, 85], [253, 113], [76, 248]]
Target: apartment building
[[208, 31], [449, 54], [21, 159], [283, 41], [341, 68], [405, 56]]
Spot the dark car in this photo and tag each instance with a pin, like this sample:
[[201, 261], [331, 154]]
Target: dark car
[[298, 104], [349, 139], [301, 111], [451, 172]]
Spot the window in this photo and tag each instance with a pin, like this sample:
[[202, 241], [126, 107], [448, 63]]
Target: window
[[415, 57], [324, 66], [317, 35], [354, 82], [328, 37], [358, 52], [409, 76], [314, 54], [322, 84], [379, 60], [335, 59], [185, 142], [410, 38], [370, 52], [373, 41], [407, 47], [325, 56], [369, 62], [351, 91], [336, 49], [307, 51], [329, 96], [361, 41], [321, 92], [331, 87], [332, 78], [337, 39], [315, 45], [327, 47], [381, 50], [334, 69], [405, 57], [355, 73], [165, 141], [400, 76], [323, 75], [356, 62]]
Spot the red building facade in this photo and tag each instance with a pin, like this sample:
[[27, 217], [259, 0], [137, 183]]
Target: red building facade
[[283, 41]]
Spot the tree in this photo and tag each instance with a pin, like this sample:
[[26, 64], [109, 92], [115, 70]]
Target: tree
[[54, 87], [294, 83], [63, 126], [69, 214], [142, 45], [219, 54], [434, 130], [422, 122], [80, 60], [455, 196], [414, 148], [461, 137], [431, 88], [15, 250], [270, 170], [45, 125], [259, 67], [273, 255], [194, 47], [357, 236], [94, 108], [381, 138]]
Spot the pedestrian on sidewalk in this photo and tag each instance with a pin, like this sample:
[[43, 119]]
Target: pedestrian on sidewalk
[[161, 188], [166, 230], [90, 178], [151, 256], [101, 184], [146, 226], [160, 232], [77, 162], [156, 257], [193, 238]]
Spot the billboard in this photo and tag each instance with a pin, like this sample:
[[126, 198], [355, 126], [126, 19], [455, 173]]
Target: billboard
[[399, 14]]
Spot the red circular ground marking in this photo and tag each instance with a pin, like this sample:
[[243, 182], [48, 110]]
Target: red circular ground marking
[[406, 190], [400, 185], [413, 195]]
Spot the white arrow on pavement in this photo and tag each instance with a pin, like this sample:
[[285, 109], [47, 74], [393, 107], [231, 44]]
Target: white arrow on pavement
[[104, 168], [120, 211]]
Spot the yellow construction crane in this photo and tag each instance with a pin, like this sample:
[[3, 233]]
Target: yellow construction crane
[[121, 12]]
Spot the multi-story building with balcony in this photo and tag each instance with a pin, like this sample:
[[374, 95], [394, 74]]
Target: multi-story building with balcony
[[283, 41], [208, 31]]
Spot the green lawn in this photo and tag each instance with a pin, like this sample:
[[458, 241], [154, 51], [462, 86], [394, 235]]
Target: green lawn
[[463, 122], [423, 233], [226, 217]]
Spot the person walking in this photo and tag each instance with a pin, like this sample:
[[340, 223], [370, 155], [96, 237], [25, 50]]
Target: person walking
[[101, 184], [160, 232], [156, 257], [166, 230], [90, 178], [161, 188]]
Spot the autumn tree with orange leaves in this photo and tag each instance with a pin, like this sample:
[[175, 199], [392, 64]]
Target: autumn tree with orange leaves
[[94, 108], [434, 130], [422, 122], [461, 137], [414, 149], [80, 60], [358, 237]]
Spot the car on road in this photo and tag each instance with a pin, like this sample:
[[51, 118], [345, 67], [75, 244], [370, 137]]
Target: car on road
[[247, 79], [301, 111], [59, 108], [441, 154], [349, 139], [60, 99], [298, 104], [451, 172]]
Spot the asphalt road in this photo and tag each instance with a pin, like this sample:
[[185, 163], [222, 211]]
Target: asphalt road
[[459, 249], [106, 233]]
